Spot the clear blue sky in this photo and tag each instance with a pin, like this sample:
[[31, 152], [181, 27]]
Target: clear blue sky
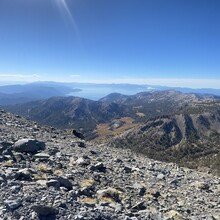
[[138, 41]]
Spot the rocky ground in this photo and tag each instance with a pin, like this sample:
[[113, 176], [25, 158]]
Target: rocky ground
[[50, 174]]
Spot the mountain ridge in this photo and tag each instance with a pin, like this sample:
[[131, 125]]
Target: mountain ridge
[[182, 138], [141, 105], [27, 92]]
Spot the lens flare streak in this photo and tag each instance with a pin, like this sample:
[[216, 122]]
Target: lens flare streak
[[67, 15]]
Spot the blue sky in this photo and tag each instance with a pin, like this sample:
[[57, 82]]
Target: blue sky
[[166, 42]]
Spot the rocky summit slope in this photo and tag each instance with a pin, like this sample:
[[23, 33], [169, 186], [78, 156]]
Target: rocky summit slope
[[48, 173]]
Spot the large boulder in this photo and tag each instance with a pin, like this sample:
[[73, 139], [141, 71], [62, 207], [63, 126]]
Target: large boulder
[[29, 145]]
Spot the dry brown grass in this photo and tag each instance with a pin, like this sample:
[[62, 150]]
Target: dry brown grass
[[87, 183], [58, 172], [127, 120], [89, 200], [104, 132], [44, 168], [107, 200], [40, 177], [8, 163]]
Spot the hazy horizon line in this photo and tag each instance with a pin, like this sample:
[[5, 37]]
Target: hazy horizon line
[[163, 82]]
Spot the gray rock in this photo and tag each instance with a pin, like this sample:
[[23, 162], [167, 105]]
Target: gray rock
[[81, 144], [42, 182], [11, 174], [140, 188], [24, 174], [2, 180], [6, 144], [53, 183], [13, 204], [29, 145], [127, 169], [155, 193], [99, 166], [43, 210], [86, 191], [161, 176], [65, 182], [117, 160], [2, 177], [118, 207], [2, 159], [93, 152], [42, 156], [141, 191], [53, 151], [19, 157], [82, 162], [15, 189], [139, 206], [201, 185]]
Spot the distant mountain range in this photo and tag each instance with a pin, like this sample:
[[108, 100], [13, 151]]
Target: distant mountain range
[[84, 114], [14, 94]]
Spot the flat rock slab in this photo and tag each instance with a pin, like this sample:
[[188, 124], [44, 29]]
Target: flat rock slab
[[42, 155], [29, 145], [13, 204]]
